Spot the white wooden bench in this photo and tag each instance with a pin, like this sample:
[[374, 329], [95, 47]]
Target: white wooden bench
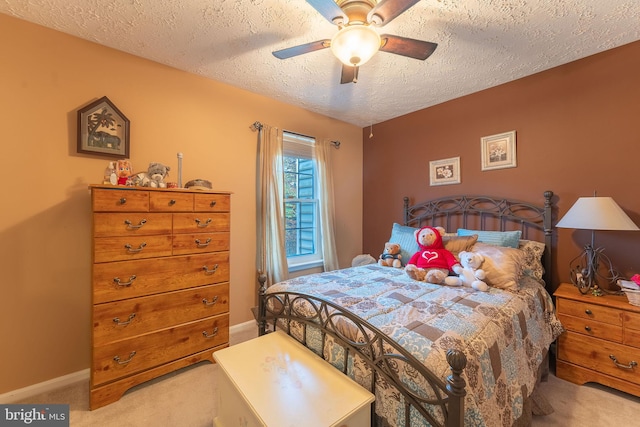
[[274, 381]]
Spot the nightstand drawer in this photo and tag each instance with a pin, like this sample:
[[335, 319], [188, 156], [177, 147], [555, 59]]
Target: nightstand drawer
[[585, 310], [595, 354], [591, 328]]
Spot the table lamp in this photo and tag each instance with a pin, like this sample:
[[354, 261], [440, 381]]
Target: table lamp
[[594, 213]]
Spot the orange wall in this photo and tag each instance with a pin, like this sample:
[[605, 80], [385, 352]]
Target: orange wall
[[577, 132], [45, 77]]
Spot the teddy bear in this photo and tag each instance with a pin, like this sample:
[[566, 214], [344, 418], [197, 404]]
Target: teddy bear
[[390, 257], [124, 170], [432, 263], [153, 177], [469, 272]]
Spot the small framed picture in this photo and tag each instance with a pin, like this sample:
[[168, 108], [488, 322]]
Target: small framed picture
[[499, 151], [103, 130], [445, 171]]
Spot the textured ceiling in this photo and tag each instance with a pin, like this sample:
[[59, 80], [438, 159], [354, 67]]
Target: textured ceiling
[[481, 43]]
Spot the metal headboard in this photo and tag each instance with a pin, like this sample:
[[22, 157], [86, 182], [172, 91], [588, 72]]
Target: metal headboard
[[488, 213]]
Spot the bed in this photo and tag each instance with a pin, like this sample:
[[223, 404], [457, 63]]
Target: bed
[[435, 355]]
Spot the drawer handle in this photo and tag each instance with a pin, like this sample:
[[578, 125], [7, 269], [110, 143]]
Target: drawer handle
[[631, 364], [201, 224], [212, 302], [211, 335], [172, 202], [588, 312], [117, 321], [124, 284], [140, 224], [123, 200], [212, 204], [587, 328], [207, 271], [124, 362], [130, 248], [203, 245]]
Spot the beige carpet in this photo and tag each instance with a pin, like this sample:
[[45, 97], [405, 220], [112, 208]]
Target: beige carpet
[[188, 398]]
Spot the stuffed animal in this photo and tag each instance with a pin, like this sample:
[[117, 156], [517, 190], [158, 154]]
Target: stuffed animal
[[153, 177], [432, 263], [123, 170], [157, 172], [469, 272], [390, 257]]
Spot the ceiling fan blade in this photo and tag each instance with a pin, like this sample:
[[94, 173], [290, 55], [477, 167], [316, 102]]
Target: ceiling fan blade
[[349, 74], [412, 48], [302, 49], [330, 10], [387, 10]]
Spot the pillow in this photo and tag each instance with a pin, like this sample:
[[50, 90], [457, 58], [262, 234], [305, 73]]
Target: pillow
[[403, 235], [533, 252], [502, 265], [456, 244], [508, 239]]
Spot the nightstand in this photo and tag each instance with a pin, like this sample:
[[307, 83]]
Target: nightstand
[[601, 342]]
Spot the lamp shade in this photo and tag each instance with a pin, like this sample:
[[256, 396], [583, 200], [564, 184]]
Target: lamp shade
[[596, 213], [356, 44]]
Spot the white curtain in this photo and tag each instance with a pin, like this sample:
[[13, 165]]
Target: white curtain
[[271, 258], [327, 216]]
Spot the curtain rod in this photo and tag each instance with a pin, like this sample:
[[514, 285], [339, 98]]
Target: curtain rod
[[258, 126]]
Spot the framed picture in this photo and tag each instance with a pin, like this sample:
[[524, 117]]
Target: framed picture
[[445, 171], [499, 151], [103, 130]]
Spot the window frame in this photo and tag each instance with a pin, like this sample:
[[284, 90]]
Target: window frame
[[303, 147]]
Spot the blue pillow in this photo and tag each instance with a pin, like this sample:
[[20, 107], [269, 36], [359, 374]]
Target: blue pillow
[[509, 239], [405, 237]]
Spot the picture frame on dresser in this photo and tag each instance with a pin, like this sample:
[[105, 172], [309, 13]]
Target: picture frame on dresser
[[103, 130]]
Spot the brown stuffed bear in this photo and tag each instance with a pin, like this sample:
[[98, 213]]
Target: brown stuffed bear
[[390, 257], [432, 263]]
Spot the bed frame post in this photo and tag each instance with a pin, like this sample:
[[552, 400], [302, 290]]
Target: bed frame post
[[262, 308], [406, 211], [456, 384], [548, 239]]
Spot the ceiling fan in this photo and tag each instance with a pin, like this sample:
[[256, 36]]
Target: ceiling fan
[[357, 40]]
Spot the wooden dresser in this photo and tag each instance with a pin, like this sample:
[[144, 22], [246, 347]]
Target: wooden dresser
[[601, 342], [160, 284]]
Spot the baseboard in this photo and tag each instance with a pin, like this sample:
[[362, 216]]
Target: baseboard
[[44, 387], [235, 331]]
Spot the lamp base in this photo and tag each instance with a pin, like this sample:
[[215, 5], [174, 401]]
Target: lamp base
[[592, 272]]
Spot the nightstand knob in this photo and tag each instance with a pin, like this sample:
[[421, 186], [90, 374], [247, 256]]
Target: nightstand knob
[[588, 311], [587, 328]]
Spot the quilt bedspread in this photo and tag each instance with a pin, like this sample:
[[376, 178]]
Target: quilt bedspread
[[504, 334]]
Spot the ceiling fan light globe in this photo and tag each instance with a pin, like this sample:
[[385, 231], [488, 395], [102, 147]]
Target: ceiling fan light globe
[[355, 43]]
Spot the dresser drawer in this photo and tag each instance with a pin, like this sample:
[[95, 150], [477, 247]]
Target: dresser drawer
[[127, 318], [212, 203], [168, 201], [200, 242], [107, 249], [129, 279], [126, 357], [594, 354], [632, 338], [589, 311], [120, 200], [128, 224], [201, 222]]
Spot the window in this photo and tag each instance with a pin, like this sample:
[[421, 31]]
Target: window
[[302, 225]]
